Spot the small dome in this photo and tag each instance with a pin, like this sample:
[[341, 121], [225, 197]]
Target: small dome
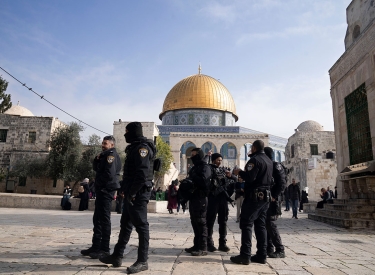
[[310, 126], [18, 111]]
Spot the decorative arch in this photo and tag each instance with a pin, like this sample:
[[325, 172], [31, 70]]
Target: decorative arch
[[229, 153], [185, 154], [208, 146], [245, 150]]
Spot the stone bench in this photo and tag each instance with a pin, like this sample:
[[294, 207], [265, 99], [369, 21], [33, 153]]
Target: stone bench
[[13, 200], [309, 207]]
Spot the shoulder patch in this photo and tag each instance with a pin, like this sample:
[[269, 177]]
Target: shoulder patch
[[110, 159], [279, 167], [250, 166], [143, 152]]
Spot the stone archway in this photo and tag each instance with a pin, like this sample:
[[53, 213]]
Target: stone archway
[[209, 146], [229, 153], [185, 153]]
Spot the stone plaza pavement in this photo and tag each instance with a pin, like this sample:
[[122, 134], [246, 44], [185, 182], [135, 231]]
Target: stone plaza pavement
[[49, 242]]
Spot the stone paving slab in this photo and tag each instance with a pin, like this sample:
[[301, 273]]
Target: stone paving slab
[[49, 242]]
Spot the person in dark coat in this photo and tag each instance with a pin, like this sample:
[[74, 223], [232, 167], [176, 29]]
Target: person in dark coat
[[172, 198], [304, 198], [66, 195], [286, 197], [294, 194], [325, 198], [84, 195]]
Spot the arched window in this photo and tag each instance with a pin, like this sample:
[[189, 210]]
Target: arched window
[[356, 32]]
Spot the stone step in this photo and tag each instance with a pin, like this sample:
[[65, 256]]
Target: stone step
[[346, 223], [345, 214], [354, 201], [350, 207]]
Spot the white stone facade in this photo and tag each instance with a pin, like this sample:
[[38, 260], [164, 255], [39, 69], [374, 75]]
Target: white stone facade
[[306, 157]]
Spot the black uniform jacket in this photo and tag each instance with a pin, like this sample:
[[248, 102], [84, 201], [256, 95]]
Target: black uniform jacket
[[107, 167], [138, 166], [279, 180], [200, 175], [257, 172]]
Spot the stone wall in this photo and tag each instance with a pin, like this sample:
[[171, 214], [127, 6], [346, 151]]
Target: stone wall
[[38, 186], [53, 203], [354, 67], [17, 139], [359, 15]]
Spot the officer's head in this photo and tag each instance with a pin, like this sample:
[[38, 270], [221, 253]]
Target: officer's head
[[133, 131], [108, 143], [196, 155], [217, 159], [258, 146], [294, 181], [269, 152]]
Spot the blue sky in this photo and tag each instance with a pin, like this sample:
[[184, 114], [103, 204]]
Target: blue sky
[[107, 60]]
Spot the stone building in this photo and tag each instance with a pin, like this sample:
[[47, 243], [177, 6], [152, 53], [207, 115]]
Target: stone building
[[199, 111], [25, 136], [353, 102], [310, 157]]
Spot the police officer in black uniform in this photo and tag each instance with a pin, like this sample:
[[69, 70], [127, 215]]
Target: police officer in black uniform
[[258, 180], [137, 185], [279, 184], [107, 166], [218, 199], [200, 175]]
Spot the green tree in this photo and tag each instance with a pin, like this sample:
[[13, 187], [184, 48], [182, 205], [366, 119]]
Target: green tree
[[4, 98], [92, 149], [29, 167], [65, 153], [165, 154]]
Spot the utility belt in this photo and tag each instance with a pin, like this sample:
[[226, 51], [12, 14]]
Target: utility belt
[[260, 195]]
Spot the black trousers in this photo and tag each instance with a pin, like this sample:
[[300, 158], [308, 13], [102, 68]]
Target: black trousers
[[134, 215], [273, 237], [198, 212], [217, 206], [102, 220], [253, 213]]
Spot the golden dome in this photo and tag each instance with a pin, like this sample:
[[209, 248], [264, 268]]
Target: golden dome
[[199, 92]]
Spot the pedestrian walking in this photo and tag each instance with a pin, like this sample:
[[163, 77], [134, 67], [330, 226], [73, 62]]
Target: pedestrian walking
[[294, 195]]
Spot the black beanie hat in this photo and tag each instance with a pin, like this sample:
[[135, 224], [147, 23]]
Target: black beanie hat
[[215, 156], [199, 155], [134, 131], [269, 152]]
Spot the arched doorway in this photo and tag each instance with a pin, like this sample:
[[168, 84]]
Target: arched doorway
[[229, 153], [185, 154]]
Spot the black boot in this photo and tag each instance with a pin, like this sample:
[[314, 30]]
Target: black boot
[[240, 260], [114, 260], [86, 252], [137, 267], [223, 247]]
